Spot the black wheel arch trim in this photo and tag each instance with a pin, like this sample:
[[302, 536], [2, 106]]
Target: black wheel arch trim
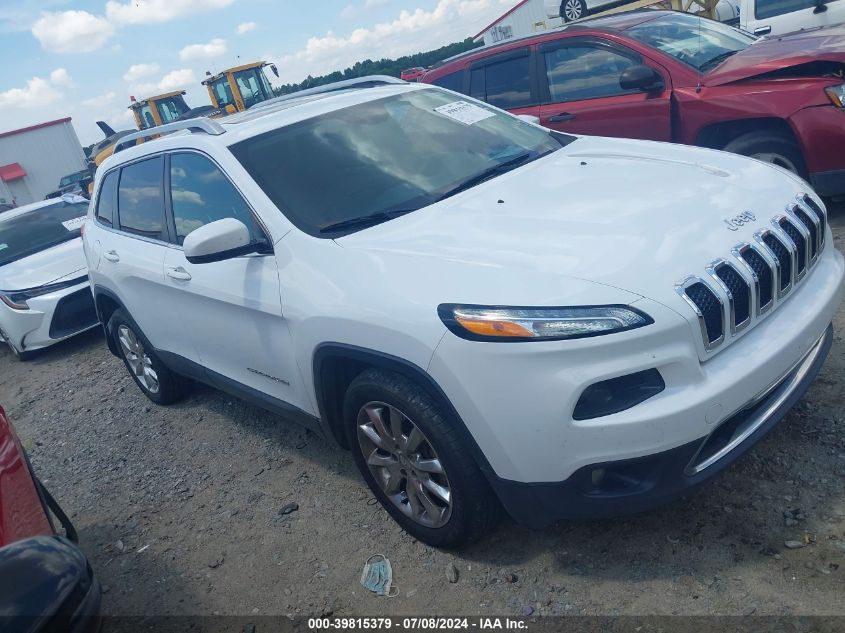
[[331, 417], [100, 291]]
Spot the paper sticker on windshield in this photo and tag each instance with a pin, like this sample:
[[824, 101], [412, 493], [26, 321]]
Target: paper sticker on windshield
[[467, 113], [74, 224]]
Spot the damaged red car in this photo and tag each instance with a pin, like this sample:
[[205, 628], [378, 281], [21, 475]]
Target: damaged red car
[[669, 76]]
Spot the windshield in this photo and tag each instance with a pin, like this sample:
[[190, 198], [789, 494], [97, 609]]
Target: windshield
[[72, 178], [253, 85], [386, 156], [171, 108], [698, 42], [38, 230]]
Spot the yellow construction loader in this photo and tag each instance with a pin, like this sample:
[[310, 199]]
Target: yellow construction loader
[[231, 90], [239, 88]]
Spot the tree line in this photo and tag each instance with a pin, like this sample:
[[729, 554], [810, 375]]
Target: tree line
[[385, 66]]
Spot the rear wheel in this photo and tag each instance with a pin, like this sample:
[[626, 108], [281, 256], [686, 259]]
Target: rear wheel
[[158, 383], [571, 10], [770, 147], [414, 462]]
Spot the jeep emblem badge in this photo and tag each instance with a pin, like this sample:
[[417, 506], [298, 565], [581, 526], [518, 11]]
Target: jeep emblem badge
[[737, 221]]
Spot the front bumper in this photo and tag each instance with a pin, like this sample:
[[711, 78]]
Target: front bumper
[[51, 318], [640, 484]]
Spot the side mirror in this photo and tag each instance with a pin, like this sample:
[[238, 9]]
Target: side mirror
[[274, 69], [43, 580], [529, 118], [641, 78], [217, 241]]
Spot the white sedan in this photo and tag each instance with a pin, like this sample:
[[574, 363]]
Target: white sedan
[[44, 291]]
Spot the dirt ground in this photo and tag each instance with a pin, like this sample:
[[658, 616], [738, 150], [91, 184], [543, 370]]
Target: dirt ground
[[179, 511]]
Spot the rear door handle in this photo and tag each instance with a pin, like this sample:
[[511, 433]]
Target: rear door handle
[[112, 256], [762, 30], [563, 116], [179, 273]]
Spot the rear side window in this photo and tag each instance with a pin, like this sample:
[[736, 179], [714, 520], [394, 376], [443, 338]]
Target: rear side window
[[452, 81], [140, 198], [507, 84], [201, 193], [107, 198]]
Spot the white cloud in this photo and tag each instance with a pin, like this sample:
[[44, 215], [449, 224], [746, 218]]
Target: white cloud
[[411, 32], [100, 100], [177, 80], [71, 31], [246, 27], [353, 11], [136, 71], [152, 11], [59, 77], [144, 90], [214, 48], [37, 93]]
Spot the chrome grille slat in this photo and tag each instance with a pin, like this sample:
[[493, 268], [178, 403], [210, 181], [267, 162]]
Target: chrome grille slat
[[759, 275]]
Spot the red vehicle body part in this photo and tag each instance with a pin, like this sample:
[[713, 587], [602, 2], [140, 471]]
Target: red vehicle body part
[[774, 87], [22, 511]]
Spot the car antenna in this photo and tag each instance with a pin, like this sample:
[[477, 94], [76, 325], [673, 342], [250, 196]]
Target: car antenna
[[698, 87]]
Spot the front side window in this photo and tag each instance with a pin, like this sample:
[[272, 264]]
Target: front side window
[[107, 198], [223, 92], [37, 230], [585, 72], [140, 198], [145, 115], [201, 193], [386, 157], [698, 42], [771, 8], [507, 84]]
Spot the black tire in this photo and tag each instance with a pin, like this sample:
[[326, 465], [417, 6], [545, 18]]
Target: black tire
[[171, 386], [774, 147], [474, 508], [571, 10]]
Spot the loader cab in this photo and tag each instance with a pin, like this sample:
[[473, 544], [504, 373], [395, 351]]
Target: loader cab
[[238, 89], [159, 110]]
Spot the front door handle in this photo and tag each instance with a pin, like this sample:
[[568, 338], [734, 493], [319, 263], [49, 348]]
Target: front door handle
[[179, 273], [762, 30], [563, 116], [112, 256]]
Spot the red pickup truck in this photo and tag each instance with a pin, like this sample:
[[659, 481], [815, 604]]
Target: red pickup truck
[[670, 76]]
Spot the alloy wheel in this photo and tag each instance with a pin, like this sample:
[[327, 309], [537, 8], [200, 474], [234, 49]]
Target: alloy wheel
[[776, 159], [137, 359], [405, 464], [572, 10]]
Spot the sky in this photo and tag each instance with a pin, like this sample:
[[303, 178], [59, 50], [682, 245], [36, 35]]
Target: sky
[[84, 58]]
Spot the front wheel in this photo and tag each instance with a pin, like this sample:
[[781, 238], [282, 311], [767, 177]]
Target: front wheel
[[411, 457], [770, 147], [571, 10]]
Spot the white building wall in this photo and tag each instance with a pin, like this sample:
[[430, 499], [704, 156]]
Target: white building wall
[[527, 20], [46, 154]]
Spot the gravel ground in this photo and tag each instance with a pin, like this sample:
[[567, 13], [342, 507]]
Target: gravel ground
[[179, 509]]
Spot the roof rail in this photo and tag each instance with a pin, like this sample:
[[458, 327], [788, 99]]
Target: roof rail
[[200, 124], [370, 81]]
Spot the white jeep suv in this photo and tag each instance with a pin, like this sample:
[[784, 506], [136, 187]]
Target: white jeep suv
[[487, 313]]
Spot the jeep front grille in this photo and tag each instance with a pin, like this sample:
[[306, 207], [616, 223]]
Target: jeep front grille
[[740, 290]]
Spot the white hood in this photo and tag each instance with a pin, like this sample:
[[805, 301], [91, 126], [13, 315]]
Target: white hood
[[635, 215], [65, 260]]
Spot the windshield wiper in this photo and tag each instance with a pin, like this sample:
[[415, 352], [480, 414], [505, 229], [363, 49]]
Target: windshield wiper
[[715, 61], [487, 174], [366, 220]]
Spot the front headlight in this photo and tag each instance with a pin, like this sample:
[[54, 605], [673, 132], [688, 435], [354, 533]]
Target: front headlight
[[16, 299], [496, 323], [836, 94]]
